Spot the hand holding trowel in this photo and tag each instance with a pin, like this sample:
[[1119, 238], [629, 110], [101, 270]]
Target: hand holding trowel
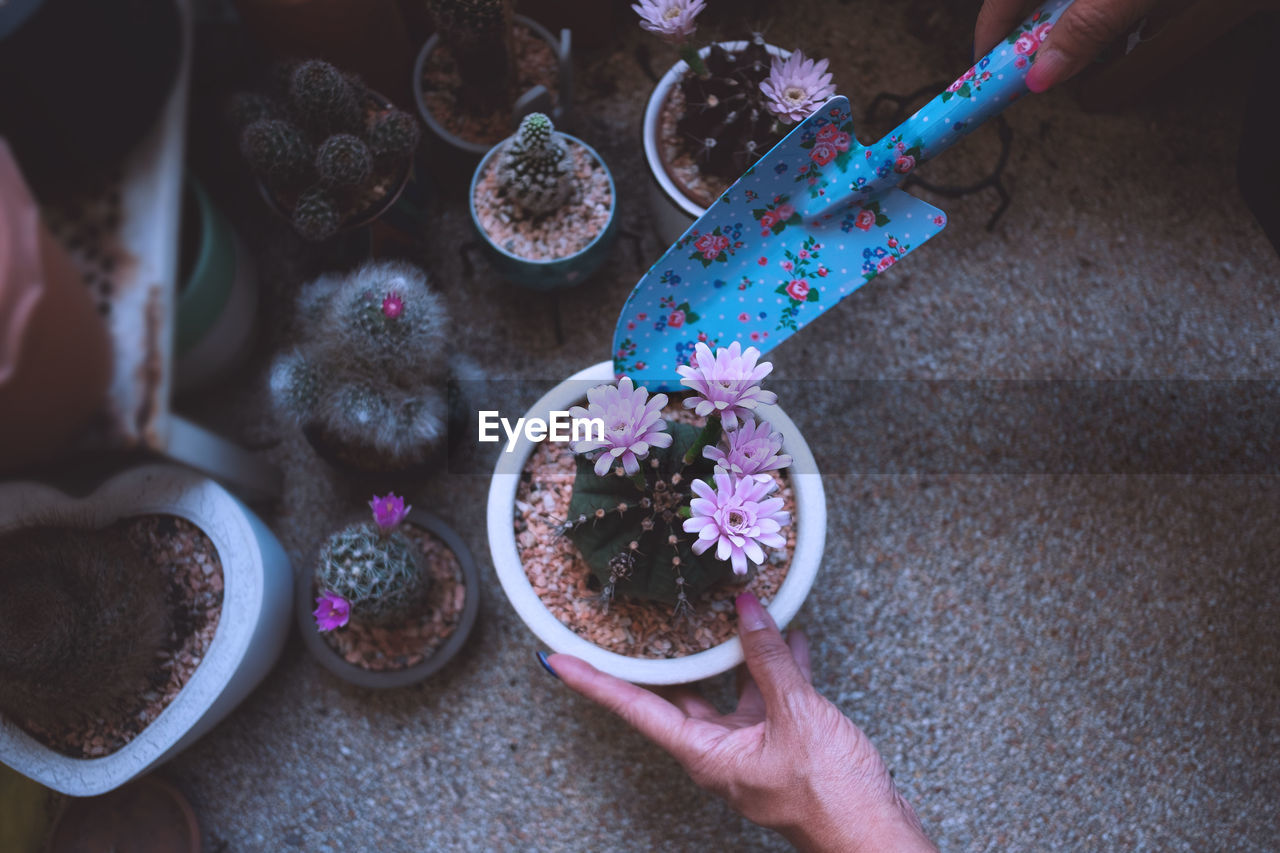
[[812, 221]]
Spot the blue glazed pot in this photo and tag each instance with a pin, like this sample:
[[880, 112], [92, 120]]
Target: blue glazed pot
[[553, 274]]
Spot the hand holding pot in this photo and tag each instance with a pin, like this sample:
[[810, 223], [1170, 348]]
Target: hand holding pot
[[785, 758]]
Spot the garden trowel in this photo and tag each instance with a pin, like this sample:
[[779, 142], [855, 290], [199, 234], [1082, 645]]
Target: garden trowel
[[813, 220]]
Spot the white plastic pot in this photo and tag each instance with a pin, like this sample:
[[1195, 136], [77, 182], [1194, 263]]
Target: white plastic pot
[[255, 618], [811, 531], [671, 210]]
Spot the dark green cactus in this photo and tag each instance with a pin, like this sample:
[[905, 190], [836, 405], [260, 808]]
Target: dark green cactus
[[633, 539], [478, 35], [244, 108], [380, 573], [343, 160], [393, 134], [325, 100], [726, 117], [276, 150], [316, 216], [80, 624], [535, 168]]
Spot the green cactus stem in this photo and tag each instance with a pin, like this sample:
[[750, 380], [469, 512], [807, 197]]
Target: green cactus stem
[[535, 168], [380, 573]]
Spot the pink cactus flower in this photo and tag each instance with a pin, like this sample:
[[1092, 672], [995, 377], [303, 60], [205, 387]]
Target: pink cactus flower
[[332, 611], [671, 19], [631, 425], [796, 86], [388, 510], [754, 450], [738, 518], [392, 305], [726, 383]]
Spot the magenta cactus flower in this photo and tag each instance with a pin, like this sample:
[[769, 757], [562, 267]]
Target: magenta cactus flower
[[754, 450], [332, 611], [632, 424], [727, 383], [388, 511], [738, 517], [392, 305], [671, 19], [796, 86]]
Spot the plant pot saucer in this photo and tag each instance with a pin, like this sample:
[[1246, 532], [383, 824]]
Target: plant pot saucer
[[146, 816], [381, 680]]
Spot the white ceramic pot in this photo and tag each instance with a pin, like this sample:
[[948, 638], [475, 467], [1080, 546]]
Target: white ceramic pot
[[673, 211], [811, 532], [255, 618]]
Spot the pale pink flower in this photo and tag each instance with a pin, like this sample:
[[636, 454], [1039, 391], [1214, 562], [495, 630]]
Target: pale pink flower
[[631, 426], [388, 510], [753, 450], [671, 19], [332, 611], [738, 518], [392, 305], [727, 383], [796, 86]]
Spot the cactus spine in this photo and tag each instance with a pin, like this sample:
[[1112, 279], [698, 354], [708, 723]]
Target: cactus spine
[[379, 572], [535, 168]]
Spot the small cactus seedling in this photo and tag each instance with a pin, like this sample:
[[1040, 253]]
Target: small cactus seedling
[[652, 498], [478, 35], [372, 367], [343, 160], [370, 571], [535, 168], [324, 146], [80, 625]]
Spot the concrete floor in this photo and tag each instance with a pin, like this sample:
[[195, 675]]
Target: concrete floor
[[1066, 660]]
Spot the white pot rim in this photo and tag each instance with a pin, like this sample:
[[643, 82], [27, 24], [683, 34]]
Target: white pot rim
[[653, 110], [810, 518], [151, 489]]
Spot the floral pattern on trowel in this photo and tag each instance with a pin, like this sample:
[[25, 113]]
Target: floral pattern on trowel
[[770, 256]]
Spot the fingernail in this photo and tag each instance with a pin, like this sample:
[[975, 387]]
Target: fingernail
[[542, 659], [1048, 68], [751, 615]]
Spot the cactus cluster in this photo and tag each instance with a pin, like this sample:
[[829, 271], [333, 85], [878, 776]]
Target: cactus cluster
[[535, 168], [371, 368], [321, 144], [726, 115], [478, 35], [80, 626], [377, 571]]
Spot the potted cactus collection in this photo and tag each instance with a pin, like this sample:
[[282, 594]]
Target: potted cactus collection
[[717, 111], [484, 69], [627, 547], [545, 206], [394, 597], [367, 379], [131, 621], [329, 154]]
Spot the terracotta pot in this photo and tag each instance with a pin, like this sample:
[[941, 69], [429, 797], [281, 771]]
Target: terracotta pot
[[365, 36], [55, 352], [811, 532]]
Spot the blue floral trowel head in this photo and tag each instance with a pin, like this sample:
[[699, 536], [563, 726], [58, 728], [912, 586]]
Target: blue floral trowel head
[[816, 218]]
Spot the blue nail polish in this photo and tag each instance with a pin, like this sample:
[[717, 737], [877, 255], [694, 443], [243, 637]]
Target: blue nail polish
[[542, 659]]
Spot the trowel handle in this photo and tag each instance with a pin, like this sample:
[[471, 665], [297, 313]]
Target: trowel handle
[[995, 81]]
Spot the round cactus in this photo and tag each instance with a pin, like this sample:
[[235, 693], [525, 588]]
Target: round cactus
[[379, 572], [244, 108], [276, 150], [324, 99], [535, 168], [393, 134], [343, 160], [316, 216]]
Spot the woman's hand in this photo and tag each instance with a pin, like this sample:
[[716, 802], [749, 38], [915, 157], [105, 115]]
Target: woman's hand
[[1085, 28], [786, 758]]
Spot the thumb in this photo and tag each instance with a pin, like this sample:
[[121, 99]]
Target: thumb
[[1086, 27], [769, 659]]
